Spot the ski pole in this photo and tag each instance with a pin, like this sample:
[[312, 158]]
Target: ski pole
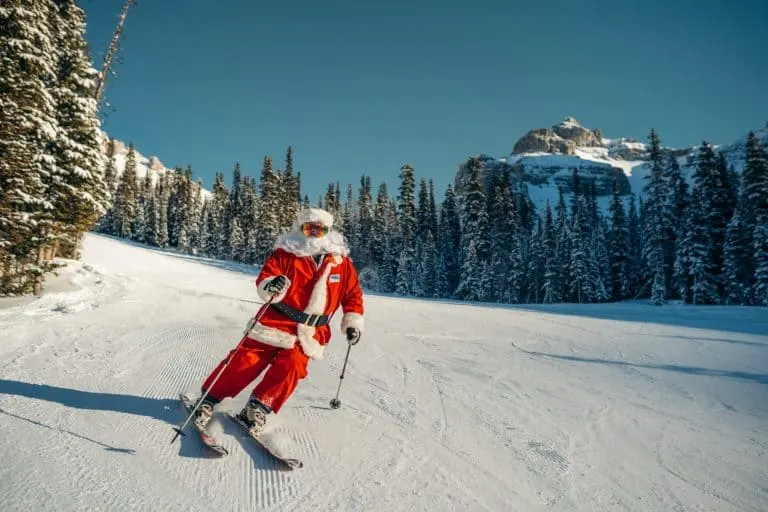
[[180, 430], [336, 403]]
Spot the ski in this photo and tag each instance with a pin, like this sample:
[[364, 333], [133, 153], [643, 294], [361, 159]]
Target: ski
[[208, 440], [286, 462]]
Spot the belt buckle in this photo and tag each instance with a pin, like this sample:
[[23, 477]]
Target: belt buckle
[[312, 320]]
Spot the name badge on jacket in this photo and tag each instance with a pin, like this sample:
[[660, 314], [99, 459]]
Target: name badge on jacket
[[334, 278]]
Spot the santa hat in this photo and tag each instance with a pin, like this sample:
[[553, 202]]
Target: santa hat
[[314, 215]]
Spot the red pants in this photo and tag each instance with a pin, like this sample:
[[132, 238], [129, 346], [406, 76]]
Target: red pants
[[286, 368]]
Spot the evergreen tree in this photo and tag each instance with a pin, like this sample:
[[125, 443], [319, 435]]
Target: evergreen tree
[[600, 263], [80, 193], [449, 238], [126, 201], [162, 206], [474, 246], [760, 250], [710, 220], [429, 268], [536, 264], [654, 221], [407, 206], [551, 286], [407, 271], [270, 200], [736, 277], [580, 284], [365, 223], [619, 247], [753, 202], [379, 237], [26, 157], [562, 250]]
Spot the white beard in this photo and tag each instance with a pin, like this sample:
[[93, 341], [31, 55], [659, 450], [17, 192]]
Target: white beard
[[296, 243]]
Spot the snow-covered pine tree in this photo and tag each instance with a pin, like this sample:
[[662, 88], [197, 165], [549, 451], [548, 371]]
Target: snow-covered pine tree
[[581, 269], [550, 287], [269, 228], [249, 219], [127, 197], [432, 210], [735, 272], [80, 193], [699, 251], [407, 205], [677, 203], [161, 196], [580, 284], [562, 262], [365, 222], [429, 267], [291, 202], [28, 67], [474, 245], [709, 224], [635, 264], [407, 270], [449, 237], [379, 233], [654, 221], [753, 200], [536, 264], [618, 240], [497, 248], [106, 222], [142, 220], [760, 250], [600, 262]]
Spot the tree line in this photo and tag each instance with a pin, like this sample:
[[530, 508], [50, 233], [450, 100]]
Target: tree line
[[703, 244]]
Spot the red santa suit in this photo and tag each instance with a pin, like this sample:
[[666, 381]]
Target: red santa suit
[[321, 278]]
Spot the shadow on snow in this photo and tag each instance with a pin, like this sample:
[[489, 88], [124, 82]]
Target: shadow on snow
[[163, 409], [760, 378]]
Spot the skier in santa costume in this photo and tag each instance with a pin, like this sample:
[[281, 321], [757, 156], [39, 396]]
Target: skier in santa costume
[[307, 276]]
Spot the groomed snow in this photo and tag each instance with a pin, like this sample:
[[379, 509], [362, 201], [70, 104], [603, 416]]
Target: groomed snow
[[445, 406]]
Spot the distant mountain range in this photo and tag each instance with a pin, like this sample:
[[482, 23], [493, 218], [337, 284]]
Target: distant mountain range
[[544, 159]]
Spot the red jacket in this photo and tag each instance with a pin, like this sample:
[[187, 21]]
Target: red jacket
[[312, 290]]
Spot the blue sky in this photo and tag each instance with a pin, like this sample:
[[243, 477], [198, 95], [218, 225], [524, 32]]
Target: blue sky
[[364, 87]]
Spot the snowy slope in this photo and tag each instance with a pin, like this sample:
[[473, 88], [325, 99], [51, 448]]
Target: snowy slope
[[446, 406]]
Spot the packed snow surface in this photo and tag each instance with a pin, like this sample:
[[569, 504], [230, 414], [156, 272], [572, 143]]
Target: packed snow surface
[[445, 406]]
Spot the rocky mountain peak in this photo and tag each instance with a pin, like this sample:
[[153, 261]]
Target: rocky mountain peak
[[562, 138]]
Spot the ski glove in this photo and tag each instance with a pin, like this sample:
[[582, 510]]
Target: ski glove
[[275, 286], [353, 335]]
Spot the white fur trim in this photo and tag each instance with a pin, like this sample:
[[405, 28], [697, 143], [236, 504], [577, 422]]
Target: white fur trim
[[272, 336], [316, 306], [296, 243], [352, 320], [314, 215], [262, 289]]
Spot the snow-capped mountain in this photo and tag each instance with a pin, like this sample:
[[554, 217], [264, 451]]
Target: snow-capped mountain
[[118, 151], [544, 159]]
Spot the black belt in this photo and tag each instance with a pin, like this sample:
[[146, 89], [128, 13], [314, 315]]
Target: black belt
[[300, 316]]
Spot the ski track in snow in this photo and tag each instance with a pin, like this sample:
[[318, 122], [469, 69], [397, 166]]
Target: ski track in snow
[[445, 406]]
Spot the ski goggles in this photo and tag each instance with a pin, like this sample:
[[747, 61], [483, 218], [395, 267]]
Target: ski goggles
[[314, 229]]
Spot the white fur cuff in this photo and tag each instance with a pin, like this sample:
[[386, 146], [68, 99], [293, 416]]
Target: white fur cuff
[[261, 288], [272, 336], [352, 320]]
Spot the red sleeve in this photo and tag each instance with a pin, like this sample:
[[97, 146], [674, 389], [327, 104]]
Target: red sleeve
[[273, 266], [352, 300]]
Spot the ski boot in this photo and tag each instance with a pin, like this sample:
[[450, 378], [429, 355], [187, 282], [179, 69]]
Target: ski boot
[[254, 416], [204, 414]]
